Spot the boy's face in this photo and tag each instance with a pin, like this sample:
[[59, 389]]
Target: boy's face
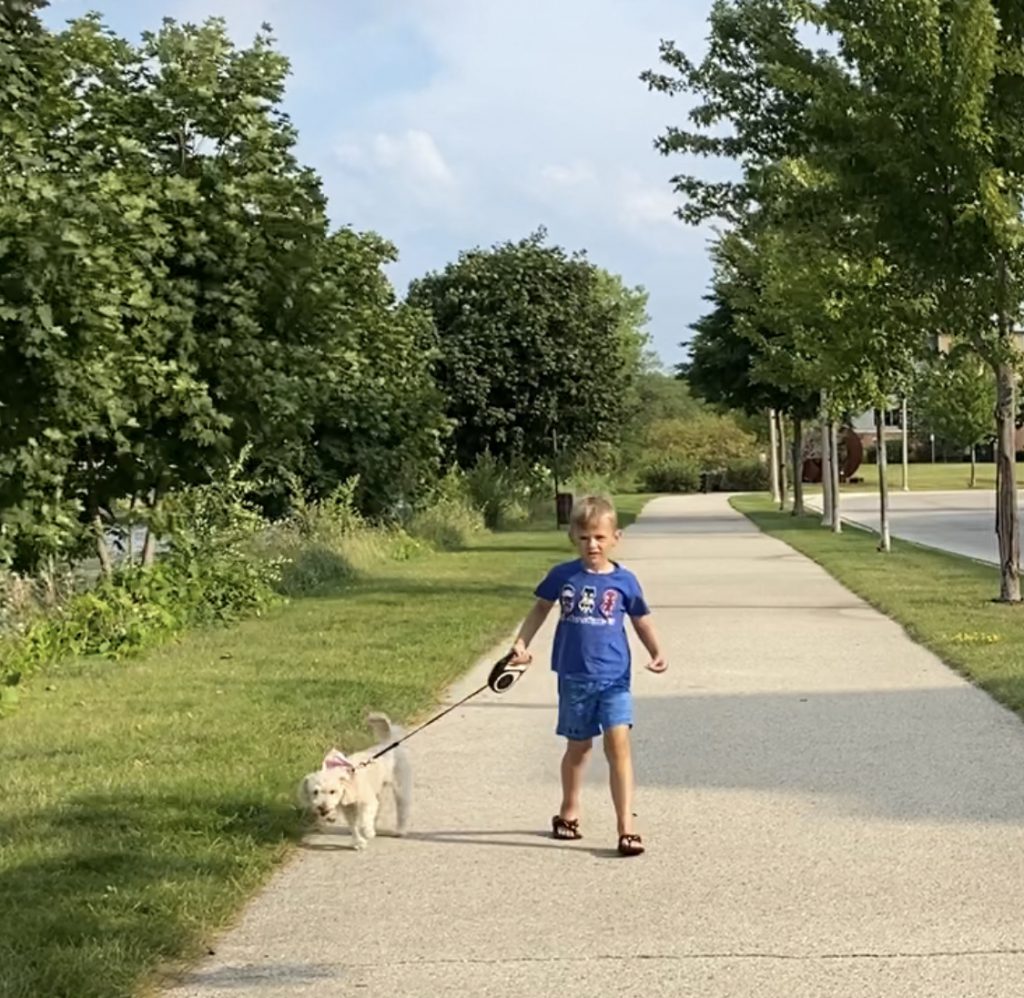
[[595, 541]]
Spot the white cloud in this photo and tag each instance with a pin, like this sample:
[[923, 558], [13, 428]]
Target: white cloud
[[644, 204], [542, 117], [559, 175], [416, 153], [409, 155]]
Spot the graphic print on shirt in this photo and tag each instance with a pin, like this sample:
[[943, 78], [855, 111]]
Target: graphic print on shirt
[[588, 600], [608, 600], [568, 595]]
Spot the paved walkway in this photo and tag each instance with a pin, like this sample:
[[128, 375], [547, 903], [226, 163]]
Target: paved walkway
[[962, 522], [830, 811]]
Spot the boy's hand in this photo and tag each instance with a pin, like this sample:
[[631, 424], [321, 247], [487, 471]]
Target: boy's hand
[[657, 664], [521, 655]]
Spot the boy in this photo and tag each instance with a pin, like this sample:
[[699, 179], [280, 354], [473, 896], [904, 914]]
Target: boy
[[592, 660]]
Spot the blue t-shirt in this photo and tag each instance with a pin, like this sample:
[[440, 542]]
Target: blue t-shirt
[[590, 638]]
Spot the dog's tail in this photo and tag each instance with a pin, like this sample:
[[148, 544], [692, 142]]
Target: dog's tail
[[386, 732], [382, 727]]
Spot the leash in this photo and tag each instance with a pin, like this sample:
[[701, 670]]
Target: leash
[[503, 676]]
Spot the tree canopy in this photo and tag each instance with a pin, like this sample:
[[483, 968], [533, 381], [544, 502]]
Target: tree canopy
[[533, 342]]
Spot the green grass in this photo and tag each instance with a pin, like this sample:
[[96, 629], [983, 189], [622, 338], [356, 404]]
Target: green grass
[[927, 477], [629, 506], [943, 601], [142, 803]]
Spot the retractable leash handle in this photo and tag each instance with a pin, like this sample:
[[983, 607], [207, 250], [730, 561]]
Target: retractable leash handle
[[503, 676]]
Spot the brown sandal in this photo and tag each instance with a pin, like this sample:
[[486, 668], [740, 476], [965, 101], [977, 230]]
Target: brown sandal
[[630, 845], [565, 829]]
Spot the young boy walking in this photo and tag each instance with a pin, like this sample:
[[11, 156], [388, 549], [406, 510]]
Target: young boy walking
[[592, 660]]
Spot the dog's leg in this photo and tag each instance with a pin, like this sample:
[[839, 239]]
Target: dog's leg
[[401, 786], [366, 823], [351, 813]]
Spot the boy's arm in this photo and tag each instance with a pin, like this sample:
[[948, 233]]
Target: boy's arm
[[531, 625], [644, 627]]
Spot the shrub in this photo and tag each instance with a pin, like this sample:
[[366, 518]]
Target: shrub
[[446, 519], [669, 474], [705, 441], [447, 524], [324, 544], [506, 493], [207, 575], [744, 476]]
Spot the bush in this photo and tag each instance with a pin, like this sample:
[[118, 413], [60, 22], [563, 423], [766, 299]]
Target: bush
[[447, 524], [136, 608], [324, 544], [704, 441], [446, 519], [744, 476], [207, 575], [669, 474], [507, 493]]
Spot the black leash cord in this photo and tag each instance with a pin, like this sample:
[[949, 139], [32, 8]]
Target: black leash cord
[[500, 672], [426, 724]]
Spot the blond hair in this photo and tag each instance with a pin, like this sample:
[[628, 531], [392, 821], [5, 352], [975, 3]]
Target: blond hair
[[591, 509]]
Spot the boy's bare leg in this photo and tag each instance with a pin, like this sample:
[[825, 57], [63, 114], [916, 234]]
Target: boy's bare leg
[[574, 764], [620, 772]]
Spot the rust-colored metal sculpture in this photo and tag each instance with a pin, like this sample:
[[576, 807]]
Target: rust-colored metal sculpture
[[851, 453]]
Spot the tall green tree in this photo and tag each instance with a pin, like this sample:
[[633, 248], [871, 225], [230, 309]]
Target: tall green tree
[[947, 190], [954, 398], [915, 118], [532, 343], [376, 412], [170, 296]]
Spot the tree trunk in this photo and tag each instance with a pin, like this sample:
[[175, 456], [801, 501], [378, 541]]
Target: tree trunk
[[773, 435], [833, 439], [149, 549], [783, 484], [885, 544], [130, 545], [826, 476], [798, 466], [102, 548], [905, 427], [974, 466], [149, 545], [1007, 516]]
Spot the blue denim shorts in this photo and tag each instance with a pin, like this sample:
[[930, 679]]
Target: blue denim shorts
[[587, 706]]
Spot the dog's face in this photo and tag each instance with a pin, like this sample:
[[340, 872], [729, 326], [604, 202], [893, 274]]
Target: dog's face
[[331, 787]]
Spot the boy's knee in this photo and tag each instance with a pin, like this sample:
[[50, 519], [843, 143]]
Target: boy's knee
[[578, 749], [616, 741]]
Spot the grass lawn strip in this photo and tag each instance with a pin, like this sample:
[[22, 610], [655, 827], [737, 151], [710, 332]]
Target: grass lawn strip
[[942, 600], [141, 803], [926, 478]]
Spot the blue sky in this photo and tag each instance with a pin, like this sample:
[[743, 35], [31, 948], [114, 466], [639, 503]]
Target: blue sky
[[448, 124]]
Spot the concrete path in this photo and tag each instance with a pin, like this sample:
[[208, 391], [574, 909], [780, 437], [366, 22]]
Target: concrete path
[[829, 810], [962, 522]]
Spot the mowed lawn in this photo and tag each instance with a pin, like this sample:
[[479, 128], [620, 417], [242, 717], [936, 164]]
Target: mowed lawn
[[943, 601], [142, 802], [928, 477]]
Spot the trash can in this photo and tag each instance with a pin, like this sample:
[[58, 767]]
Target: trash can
[[563, 508]]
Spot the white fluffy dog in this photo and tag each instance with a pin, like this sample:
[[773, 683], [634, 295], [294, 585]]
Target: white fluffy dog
[[342, 784]]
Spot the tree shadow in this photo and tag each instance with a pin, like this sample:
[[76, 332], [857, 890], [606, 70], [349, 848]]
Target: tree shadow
[[122, 881], [942, 754]]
